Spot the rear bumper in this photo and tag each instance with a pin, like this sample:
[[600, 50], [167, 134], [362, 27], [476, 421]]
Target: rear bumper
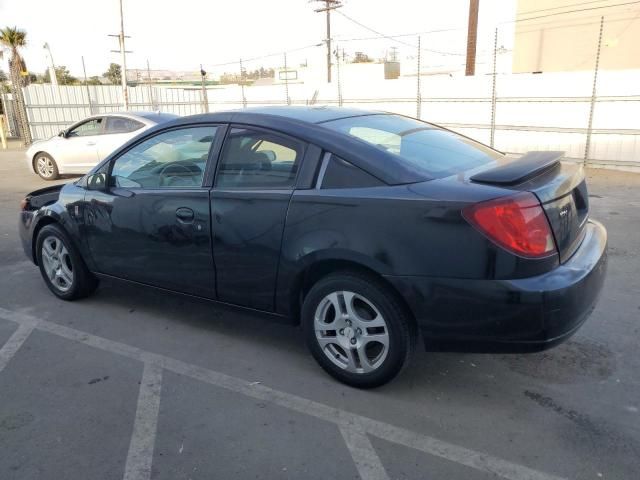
[[528, 314]]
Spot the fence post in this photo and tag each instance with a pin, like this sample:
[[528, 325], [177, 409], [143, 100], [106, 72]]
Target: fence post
[[587, 145], [153, 103], [339, 79], [205, 97], [244, 99], [419, 83], [84, 71], [286, 80], [493, 88]]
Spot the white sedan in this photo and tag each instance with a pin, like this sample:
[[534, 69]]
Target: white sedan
[[80, 147]]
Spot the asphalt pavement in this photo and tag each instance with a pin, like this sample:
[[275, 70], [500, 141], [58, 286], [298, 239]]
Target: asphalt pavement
[[135, 383]]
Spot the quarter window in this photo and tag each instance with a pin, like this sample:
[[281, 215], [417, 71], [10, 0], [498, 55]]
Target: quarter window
[[92, 127], [342, 174], [255, 159], [173, 159]]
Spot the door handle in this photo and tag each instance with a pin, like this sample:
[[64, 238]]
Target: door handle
[[91, 144], [185, 214]]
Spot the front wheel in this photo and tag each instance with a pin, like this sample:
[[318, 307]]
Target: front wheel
[[46, 166], [61, 265], [357, 330]]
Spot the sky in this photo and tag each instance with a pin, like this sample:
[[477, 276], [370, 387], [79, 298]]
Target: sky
[[182, 35]]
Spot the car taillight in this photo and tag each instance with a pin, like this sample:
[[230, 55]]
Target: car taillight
[[517, 223]]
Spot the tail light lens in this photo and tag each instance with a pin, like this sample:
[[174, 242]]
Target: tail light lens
[[517, 223]]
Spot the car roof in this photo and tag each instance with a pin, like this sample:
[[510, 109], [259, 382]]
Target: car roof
[[156, 117], [306, 123], [311, 114]]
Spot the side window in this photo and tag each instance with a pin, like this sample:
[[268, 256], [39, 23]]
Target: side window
[[255, 159], [342, 174], [92, 127], [122, 125], [173, 159]]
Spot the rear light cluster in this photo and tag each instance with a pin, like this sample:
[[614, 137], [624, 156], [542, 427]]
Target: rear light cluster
[[517, 223]]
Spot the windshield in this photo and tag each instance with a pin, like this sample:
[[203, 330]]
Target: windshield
[[428, 149]]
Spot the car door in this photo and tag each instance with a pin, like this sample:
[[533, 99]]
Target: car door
[[78, 149], [254, 181], [151, 223], [117, 131]]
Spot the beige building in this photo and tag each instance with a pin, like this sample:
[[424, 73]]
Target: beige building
[[562, 35]]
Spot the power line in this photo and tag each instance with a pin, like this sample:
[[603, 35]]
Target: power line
[[570, 11], [394, 38], [261, 57], [373, 30], [560, 7]]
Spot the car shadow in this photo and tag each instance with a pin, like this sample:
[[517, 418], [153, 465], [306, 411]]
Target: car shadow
[[446, 373]]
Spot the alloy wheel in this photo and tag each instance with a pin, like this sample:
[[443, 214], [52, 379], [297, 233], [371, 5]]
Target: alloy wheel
[[57, 263], [351, 332], [45, 166]]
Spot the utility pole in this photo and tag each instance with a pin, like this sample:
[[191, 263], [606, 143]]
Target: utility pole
[[123, 69], [205, 99], [472, 37], [328, 6]]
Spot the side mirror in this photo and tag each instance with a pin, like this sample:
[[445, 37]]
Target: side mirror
[[97, 181], [62, 133]]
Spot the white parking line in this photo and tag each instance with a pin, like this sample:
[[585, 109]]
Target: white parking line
[[14, 343], [465, 456], [364, 455], [138, 466]]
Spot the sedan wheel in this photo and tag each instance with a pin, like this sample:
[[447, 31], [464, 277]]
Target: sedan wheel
[[352, 332], [357, 329], [61, 265], [57, 263], [46, 166]]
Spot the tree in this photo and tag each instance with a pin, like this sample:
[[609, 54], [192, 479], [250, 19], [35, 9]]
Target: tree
[[95, 80], [12, 40], [114, 74], [3, 76], [63, 75]]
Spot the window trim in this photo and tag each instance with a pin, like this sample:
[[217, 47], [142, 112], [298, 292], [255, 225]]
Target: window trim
[[326, 158], [302, 148], [219, 132]]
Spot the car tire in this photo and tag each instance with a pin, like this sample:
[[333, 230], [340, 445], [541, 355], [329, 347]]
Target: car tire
[[45, 166], [61, 265], [369, 341]]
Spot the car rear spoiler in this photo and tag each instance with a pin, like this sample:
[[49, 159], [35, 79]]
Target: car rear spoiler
[[528, 166]]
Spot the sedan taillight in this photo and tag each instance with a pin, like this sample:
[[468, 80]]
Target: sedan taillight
[[517, 223]]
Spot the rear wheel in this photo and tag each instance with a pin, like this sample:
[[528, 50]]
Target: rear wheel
[[45, 166], [356, 329], [61, 265]]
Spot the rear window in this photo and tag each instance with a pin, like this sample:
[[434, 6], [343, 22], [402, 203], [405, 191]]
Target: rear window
[[428, 149]]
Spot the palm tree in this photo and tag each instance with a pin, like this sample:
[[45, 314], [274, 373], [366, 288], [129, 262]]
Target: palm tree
[[12, 40]]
